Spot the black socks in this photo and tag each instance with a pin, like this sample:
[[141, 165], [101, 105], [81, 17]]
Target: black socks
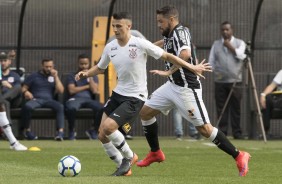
[[224, 144], [151, 133]]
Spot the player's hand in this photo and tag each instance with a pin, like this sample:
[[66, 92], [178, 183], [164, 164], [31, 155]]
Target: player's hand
[[160, 73], [81, 75], [202, 67]]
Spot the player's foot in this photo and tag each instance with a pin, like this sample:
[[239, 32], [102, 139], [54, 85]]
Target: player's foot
[[18, 147], [242, 161], [152, 157], [125, 167]]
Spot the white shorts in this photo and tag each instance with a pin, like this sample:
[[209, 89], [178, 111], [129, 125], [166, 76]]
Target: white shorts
[[188, 101]]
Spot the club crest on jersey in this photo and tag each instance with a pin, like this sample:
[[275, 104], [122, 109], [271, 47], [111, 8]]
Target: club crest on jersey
[[182, 36], [169, 44], [132, 53]]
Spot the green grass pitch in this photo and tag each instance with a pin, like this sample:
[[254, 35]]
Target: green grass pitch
[[187, 162]]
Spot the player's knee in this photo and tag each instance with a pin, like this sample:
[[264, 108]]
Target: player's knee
[[108, 126]]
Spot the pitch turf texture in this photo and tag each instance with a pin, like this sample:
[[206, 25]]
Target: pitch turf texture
[[186, 162]]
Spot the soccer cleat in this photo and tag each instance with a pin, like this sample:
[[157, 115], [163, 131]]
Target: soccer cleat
[[242, 161], [125, 167], [60, 136], [152, 157], [18, 147]]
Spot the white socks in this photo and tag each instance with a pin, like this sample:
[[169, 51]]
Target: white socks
[[4, 123], [213, 134], [149, 122], [113, 153], [119, 142]]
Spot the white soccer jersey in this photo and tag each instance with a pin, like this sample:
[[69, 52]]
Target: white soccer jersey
[[130, 64], [278, 80]]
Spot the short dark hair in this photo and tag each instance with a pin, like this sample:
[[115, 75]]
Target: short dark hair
[[122, 15], [83, 56], [168, 11], [3, 56], [46, 60], [225, 23]]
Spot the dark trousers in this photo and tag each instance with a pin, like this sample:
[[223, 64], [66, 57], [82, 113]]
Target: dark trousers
[[12, 98], [73, 105], [271, 101], [30, 105], [233, 108]]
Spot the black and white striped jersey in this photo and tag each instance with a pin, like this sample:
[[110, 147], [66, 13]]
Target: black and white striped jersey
[[176, 41]]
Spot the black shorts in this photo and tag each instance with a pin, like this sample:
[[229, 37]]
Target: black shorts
[[123, 109]]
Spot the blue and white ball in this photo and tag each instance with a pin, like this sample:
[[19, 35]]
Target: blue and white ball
[[69, 166]]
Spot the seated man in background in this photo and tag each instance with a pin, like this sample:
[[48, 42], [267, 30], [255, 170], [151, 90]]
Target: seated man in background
[[269, 100], [10, 84], [81, 95], [4, 122], [39, 90]]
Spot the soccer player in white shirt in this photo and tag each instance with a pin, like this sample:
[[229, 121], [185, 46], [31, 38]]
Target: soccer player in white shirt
[[129, 56]]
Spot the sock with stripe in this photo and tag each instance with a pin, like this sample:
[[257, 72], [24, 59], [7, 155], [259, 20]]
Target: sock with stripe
[[119, 142], [221, 141], [4, 123], [150, 129], [113, 153]]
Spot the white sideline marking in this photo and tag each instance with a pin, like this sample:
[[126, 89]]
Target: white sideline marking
[[209, 144]]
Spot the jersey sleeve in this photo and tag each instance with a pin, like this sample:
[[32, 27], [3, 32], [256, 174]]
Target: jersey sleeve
[[70, 79], [96, 79], [105, 59], [28, 81], [182, 39], [278, 78], [17, 80], [151, 49]]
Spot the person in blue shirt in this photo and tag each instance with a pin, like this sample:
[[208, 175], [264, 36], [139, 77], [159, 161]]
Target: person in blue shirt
[[4, 122], [39, 90], [10, 85], [82, 95]]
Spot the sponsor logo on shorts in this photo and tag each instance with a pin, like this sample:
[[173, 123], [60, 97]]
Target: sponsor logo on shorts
[[116, 115], [126, 127]]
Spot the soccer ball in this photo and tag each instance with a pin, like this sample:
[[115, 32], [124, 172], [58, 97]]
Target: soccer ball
[[69, 166]]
